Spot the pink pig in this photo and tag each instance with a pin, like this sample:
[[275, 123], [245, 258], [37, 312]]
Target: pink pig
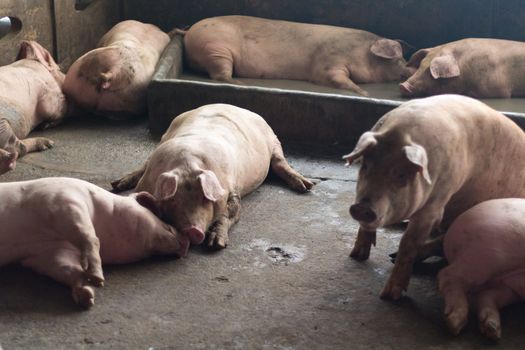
[[30, 95], [485, 248], [65, 228]]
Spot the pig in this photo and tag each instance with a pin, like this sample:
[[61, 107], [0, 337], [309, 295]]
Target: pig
[[484, 247], [206, 161], [112, 79], [65, 228], [251, 47], [428, 161], [30, 96], [479, 68]]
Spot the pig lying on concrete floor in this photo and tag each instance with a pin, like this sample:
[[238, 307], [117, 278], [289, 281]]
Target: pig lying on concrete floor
[[474, 67], [429, 160], [250, 47], [30, 95], [485, 248], [112, 79], [206, 161], [65, 228]]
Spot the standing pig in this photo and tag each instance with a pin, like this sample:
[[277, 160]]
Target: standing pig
[[206, 161], [429, 160], [112, 79], [30, 95], [485, 248], [251, 47], [64, 227], [475, 67]]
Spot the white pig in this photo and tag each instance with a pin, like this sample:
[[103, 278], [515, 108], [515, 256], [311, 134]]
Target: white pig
[[30, 95], [485, 248], [251, 47], [206, 161], [65, 228], [112, 79], [428, 161]]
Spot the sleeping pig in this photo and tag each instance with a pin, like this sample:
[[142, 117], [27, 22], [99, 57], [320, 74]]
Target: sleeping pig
[[250, 47], [30, 95], [206, 161], [484, 247], [112, 79], [475, 67], [65, 228], [429, 160]]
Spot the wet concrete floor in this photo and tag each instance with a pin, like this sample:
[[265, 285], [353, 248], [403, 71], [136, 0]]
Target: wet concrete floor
[[285, 281]]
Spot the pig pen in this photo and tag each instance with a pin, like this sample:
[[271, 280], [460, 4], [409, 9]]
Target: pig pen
[[285, 281]]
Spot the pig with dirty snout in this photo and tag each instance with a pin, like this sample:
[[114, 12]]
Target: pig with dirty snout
[[251, 47], [428, 161], [30, 96], [485, 249], [479, 68], [112, 79], [66, 228], [206, 161]]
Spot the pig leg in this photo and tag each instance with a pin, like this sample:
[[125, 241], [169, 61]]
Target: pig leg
[[281, 167], [454, 286], [339, 77], [418, 230], [219, 64], [488, 302], [363, 243], [129, 181], [62, 263], [36, 144], [218, 233]]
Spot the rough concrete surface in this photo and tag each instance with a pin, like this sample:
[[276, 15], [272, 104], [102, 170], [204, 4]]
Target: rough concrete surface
[[285, 281]]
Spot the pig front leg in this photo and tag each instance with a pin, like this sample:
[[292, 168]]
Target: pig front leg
[[62, 263], [363, 243], [282, 169], [339, 77], [218, 237], [129, 181], [36, 144], [418, 231]]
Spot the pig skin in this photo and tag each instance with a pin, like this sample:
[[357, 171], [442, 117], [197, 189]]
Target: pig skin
[[65, 228], [30, 95], [251, 47], [428, 161], [112, 79], [485, 249], [206, 161], [480, 68]]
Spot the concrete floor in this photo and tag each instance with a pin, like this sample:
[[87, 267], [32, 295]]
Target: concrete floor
[[285, 281]]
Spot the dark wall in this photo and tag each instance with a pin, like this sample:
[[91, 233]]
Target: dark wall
[[422, 23]]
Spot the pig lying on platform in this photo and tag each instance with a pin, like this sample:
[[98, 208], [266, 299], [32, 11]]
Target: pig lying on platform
[[485, 248], [206, 161], [250, 47], [64, 227], [474, 67], [112, 79], [30, 95], [429, 160]]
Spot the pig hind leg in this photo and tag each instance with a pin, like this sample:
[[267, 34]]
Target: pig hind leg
[[282, 169], [63, 265], [129, 181], [218, 237], [219, 64]]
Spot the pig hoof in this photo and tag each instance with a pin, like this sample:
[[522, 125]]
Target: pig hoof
[[84, 296], [491, 329], [360, 253], [392, 292], [456, 321], [95, 280], [45, 144], [217, 240]]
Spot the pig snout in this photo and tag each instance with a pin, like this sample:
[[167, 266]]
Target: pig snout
[[195, 234], [363, 212], [406, 89]]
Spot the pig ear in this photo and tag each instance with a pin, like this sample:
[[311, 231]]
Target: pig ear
[[211, 187], [147, 200], [444, 67], [34, 51], [417, 57], [417, 156], [166, 186], [366, 141], [387, 48]]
